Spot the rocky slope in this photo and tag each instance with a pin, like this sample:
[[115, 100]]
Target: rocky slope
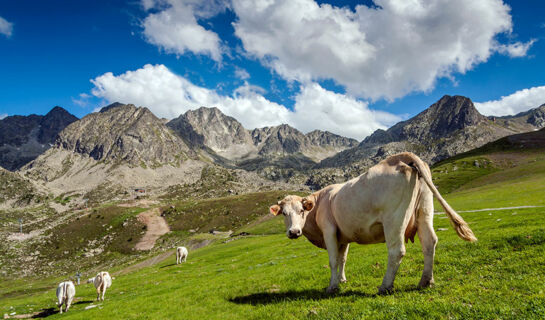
[[209, 127], [450, 126], [113, 151], [225, 136], [124, 133], [23, 138]]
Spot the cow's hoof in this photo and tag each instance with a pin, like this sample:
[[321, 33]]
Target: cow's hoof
[[343, 280], [332, 290], [425, 284], [385, 291]]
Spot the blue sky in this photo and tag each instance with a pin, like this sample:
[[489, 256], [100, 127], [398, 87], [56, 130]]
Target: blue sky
[[344, 66]]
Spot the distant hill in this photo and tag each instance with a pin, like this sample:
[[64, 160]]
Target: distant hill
[[23, 138]]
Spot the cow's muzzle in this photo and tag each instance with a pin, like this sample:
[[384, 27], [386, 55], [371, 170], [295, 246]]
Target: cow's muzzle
[[294, 233]]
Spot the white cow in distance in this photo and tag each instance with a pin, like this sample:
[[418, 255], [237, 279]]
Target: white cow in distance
[[181, 254], [65, 294], [102, 281], [389, 203]]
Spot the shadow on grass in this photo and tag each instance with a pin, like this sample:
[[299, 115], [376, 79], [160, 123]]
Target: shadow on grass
[[310, 294], [167, 265], [278, 297], [46, 313]]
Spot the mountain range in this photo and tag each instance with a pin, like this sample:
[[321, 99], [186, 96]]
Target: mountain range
[[124, 145]]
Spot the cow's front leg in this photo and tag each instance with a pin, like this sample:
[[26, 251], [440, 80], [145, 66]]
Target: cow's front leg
[[343, 253], [330, 239]]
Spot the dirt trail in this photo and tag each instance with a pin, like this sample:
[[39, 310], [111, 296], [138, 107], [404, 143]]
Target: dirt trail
[[156, 227], [492, 209], [146, 263]]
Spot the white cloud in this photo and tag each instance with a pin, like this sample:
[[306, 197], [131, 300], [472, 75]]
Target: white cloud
[[168, 95], [82, 100], [3, 115], [241, 73], [387, 51], [514, 103], [6, 27], [318, 108], [515, 50], [173, 26]]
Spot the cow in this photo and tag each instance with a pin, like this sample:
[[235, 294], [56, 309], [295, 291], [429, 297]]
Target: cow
[[389, 203], [181, 254], [102, 281], [65, 294]]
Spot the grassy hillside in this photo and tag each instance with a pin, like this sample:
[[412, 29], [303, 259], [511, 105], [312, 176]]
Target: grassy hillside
[[266, 276], [271, 277]]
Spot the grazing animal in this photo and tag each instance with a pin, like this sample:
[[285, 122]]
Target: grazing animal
[[65, 294], [181, 254], [389, 203], [102, 281]]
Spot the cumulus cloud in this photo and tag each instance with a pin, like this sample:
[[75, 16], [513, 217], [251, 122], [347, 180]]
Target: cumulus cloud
[[316, 107], [172, 25], [6, 27], [514, 103], [384, 51], [168, 95]]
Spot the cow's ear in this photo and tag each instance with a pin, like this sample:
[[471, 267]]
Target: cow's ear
[[275, 209], [308, 204]]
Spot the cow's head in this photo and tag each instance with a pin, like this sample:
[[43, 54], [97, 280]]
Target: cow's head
[[295, 210]]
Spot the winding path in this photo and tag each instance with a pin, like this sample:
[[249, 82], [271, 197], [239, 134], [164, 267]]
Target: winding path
[[156, 227]]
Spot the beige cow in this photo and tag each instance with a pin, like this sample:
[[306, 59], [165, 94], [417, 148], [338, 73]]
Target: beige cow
[[102, 281], [181, 254], [389, 203], [65, 294]]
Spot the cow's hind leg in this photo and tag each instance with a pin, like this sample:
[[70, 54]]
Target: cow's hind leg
[[68, 303], [343, 253], [427, 237], [394, 234]]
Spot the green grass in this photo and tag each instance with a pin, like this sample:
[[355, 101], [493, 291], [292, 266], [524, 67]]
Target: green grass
[[267, 276], [272, 277]]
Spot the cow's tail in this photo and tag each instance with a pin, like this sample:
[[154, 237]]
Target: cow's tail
[[65, 293], [461, 227]]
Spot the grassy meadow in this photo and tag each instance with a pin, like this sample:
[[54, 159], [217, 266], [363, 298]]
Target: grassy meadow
[[267, 276]]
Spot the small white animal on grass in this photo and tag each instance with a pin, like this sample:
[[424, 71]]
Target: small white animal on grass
[[102, 281], [181, 254], [65, 294]]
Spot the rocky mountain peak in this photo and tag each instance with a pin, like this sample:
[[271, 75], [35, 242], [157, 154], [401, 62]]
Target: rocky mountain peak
[[124, 133], [53, 122], [114, 105], [23, 138], [211, 128]]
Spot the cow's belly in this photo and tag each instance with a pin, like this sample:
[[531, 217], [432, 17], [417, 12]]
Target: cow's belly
[[362, 233]]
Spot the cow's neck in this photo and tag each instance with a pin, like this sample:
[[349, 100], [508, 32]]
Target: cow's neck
[[311, 229]]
